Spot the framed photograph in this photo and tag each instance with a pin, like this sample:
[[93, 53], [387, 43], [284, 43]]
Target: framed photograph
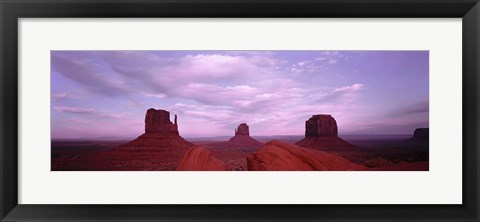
[[224, 110], [239, 110]]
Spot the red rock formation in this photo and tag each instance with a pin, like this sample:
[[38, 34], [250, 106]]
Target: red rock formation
[[157, 142], [160, 134], [321, 132], [242, 130], [420, 135], [321, 125], [324, 143], [281, 156], [199, 158], [158, 121], [241, 139]]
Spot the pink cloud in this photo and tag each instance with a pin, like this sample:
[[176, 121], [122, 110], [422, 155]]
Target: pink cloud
[[275, 92], [75, 110], [353, 88], [58, 96], [87, 111]]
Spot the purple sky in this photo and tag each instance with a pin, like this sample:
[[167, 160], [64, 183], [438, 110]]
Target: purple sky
[[106, 93]]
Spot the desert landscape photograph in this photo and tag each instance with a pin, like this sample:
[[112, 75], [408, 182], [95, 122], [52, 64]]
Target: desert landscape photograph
[[248, 110]]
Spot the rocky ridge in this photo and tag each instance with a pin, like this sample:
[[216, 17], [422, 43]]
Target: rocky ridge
[[282, 156]]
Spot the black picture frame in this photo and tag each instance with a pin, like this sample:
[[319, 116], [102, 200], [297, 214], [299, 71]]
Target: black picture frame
[[12, 10]]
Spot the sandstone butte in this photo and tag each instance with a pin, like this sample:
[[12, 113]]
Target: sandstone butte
[[420, 135], [281, 156], [241, 139], [160, 134], [199, 158], [321, 132]]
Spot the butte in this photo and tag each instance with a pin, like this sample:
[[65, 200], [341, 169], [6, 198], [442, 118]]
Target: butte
[[160, 134], [321, 132], [241, 139], [420, 135]]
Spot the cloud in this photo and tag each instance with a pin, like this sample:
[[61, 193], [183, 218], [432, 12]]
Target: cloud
[[206, 78], [88, 73], [420, 107], [86, 111], [59, 96], [332, 61], [274, 92], [191, 67], [222, 87], [134, 103], [320, 63], [213, 79], [353, 88], [341, 95], [331, 57], [217, 95], [157, 95], [75, 110], [188, 76], [304, 66], [217, 87]]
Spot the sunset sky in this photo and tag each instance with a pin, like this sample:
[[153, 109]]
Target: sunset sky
[[100, 94]]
